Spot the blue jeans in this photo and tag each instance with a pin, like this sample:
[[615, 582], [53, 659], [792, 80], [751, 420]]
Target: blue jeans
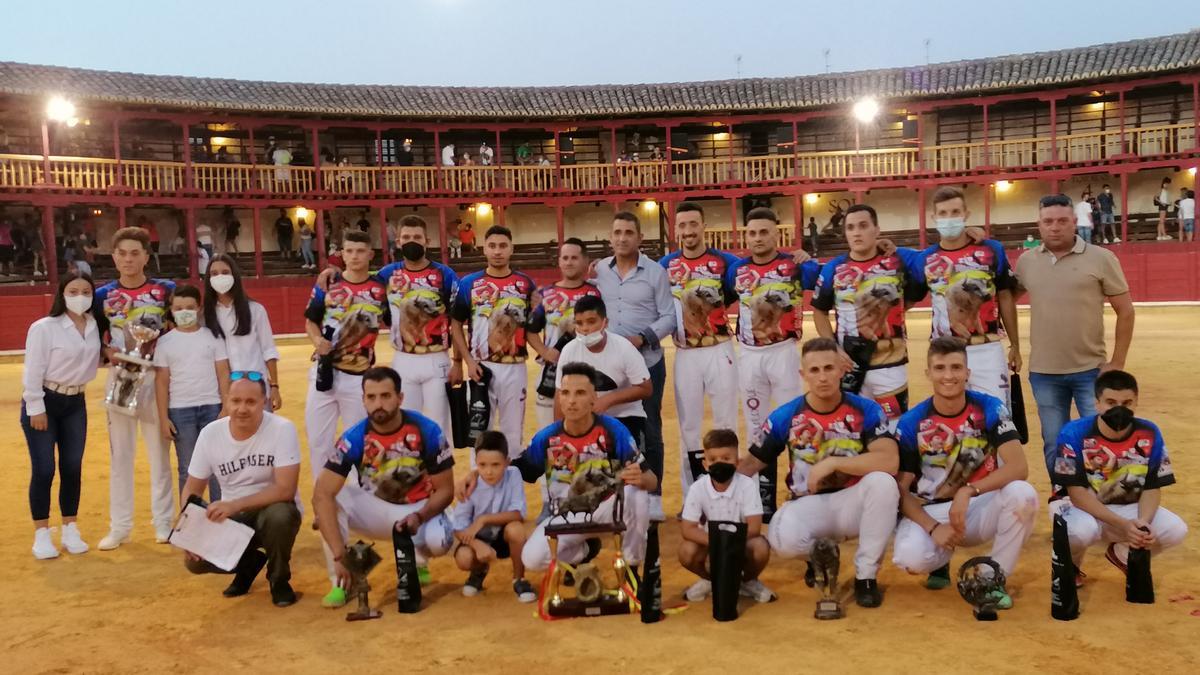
[[1053, 394], [1085, 233], [653, 407], [66, 428], [306, 250], [188, 423]]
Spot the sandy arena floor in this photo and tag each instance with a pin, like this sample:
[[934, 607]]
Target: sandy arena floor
[[136, 609]]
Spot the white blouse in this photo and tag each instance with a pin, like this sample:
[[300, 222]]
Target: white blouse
[[252, 350], [56, 352]]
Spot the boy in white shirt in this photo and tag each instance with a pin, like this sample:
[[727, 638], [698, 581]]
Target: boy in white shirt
[[623, 380], [1187, 216], [490, 524], [725, 495], [192, 380]]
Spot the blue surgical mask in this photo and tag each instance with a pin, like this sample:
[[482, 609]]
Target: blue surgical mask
[[950, 228]]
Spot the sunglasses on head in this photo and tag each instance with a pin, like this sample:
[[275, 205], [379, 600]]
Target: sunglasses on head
[[1054, 200], [252, 375]]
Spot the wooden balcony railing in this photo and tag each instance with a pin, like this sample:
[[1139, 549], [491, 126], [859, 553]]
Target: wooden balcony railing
[[97, 174], [725, 239]]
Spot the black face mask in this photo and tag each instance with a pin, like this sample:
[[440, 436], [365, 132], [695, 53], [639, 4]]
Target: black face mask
[[412, 251], [721, 472], [1118, 417]]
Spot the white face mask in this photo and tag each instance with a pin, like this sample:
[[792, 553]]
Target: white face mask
[[185, 318], [591, 339], [221, 283], [78, 304], [950, 228]]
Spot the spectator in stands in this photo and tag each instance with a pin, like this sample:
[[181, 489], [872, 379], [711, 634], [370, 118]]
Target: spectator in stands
[[485, 154], [202, 257], [306, 247], [466, 160], [233, 227], [8, 250], [814, 236], [1066, 331], [155, 244], [1083, 217], [1163, 202], [1178, 211], [448, 155], [37, 246], [283, 233], [222, 155], [363, 224], [343, 174], [335, 257], [339, 230], [281, 157], [405, 156], [1187, 216], [1108, 223], [204, 237], [466, 234], [523, 153], [456, 246]]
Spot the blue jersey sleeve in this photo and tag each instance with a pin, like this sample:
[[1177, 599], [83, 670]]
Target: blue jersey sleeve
[[807, 274], [1006, 279], [460, 302], [315, 311], [348, 451], [906, 436], [167, 284], [875, 424], [823, 298], [727, 291], [665, 261], [383, 275], [537, 317], [775, 432], [437, 453], [1159, 472], [624, 449], [1000, 427], [449, 283], [731, 274], [915, 284], [1068, 466], [532, 462]]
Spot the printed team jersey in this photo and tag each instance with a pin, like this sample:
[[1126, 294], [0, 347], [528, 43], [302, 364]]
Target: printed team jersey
[[701, 296], [497, 310], [869, 297], [554, 311], [946, 452], [419, 303], [394, 467], [809, 436], [770, 298], [120, 306], [964, 283], [1117, 471], [566, 460], [354, 312]]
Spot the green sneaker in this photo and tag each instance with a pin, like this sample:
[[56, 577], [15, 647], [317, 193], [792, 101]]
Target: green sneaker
[[336, 597], [423, 575], [939, 578], [1001, 598]]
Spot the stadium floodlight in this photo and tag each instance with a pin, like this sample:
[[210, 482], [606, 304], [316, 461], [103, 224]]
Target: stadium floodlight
[[866, 109], [59, 109]]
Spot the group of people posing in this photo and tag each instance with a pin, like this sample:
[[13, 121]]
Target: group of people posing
[[861, 462]]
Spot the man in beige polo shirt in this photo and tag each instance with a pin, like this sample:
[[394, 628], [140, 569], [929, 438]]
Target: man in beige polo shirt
[[1068, 281]]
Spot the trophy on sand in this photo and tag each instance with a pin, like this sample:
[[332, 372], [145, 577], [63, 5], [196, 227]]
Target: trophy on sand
[[825, 560], [131, 364], [359, 560], [978, 580]]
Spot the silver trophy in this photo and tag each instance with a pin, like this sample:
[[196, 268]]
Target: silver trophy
[[131, 364]]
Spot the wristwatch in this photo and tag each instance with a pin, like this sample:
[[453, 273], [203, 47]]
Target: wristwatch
[[972, 486]]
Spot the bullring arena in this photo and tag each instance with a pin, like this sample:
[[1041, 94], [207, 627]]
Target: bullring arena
[[1126, 115]]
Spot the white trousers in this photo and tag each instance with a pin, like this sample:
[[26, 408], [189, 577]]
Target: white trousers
[[368, 516], [882, 383], [703, 372], [768, 377], [506, 393], [122, 443], [572, 547], [867, 510], [989, 370], [543, 408], [423, 380], [322, 410], [1004, 517], [1083, 530]]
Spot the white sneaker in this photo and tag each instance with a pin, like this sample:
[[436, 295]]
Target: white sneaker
[[698, 591], [113, 540], [1116, 240], [755, 589], [656, 509], [43, 545], [1108, 241], [161, 536], [71, 539]]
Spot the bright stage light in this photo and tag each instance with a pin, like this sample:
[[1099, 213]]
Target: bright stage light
[[866, 109], [811, 198], [1003, 186], [59, 109], [301, 213], [483, 209]]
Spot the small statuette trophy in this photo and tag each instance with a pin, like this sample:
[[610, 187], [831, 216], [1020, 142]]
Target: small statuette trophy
[[825, 559], [359, 560], [978, 580], [131, 364]]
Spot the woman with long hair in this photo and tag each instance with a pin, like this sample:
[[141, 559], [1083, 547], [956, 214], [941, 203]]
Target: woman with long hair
[[241, 322], [62, 353]]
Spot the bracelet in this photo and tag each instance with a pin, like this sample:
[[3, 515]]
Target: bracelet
[[973, 487], [274, 386], [931, 529]]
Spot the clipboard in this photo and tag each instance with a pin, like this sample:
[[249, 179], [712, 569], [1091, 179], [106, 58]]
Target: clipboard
[[221, 544]]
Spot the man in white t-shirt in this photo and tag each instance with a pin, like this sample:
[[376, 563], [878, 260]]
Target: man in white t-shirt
[[1187, 216], [723, 495], [1083, 217], [623, 381], [255, 457]]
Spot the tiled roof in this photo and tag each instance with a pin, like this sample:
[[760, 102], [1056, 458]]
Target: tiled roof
[[1105, 62]]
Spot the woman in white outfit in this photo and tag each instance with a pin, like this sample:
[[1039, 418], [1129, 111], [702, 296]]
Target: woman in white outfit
[[62, 352], [242, 322]]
